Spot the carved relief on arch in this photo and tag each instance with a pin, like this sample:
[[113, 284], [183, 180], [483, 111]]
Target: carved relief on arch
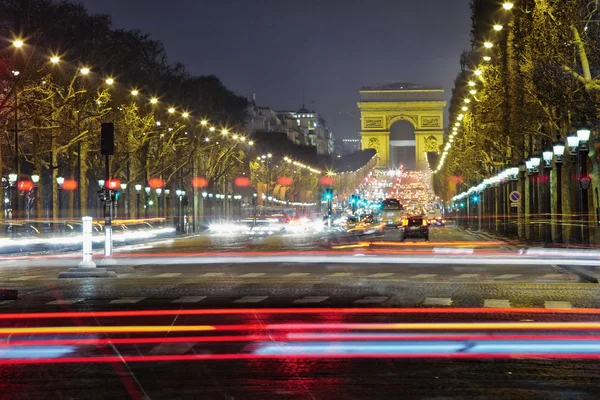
[[413, 119]]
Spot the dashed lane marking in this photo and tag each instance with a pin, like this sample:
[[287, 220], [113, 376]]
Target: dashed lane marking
[[310, 299], [6, 301], [496, 303], [380, 275], [251, 299], [557, 304], [506, 276], [437, 301], [122, 275], [294, 274], [213, 274], [467, 276], [371, 300], [421, 276], [63, 301], [189, 299], [26, 278], [167, 275], [127, 300], [252, 275], [339, 274]]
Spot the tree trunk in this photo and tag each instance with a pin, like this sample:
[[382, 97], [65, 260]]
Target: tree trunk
[[54, 169]]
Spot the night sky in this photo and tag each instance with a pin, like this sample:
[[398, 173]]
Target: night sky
[[326, 48]]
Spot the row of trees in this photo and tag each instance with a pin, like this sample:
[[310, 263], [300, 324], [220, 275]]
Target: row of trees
[[57, 105], [539, 83]]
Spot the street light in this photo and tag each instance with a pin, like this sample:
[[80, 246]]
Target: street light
[[558, 149], [60, 180], [160, 205], [12, 177], [573, 143], [138, 189], [146, 203], [583, 134], [508, 5]]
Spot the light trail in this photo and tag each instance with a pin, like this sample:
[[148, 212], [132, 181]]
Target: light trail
[[253, 311]]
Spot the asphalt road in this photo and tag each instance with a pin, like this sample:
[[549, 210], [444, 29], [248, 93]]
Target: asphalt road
[[300, 354]]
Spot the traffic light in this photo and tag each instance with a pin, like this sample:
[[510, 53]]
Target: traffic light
[[475, 199], [107, 139], [114, 195], [328, 194]]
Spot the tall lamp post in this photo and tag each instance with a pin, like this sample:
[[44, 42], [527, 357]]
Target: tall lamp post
[[558, 149], [254, 198], [573, 143], [12, 180], [60, 180], [37, 211], [545, 205], [204, 195], [166, 205], [160, 205], [138, 189], [532, 167], [583, 134], [179, 195], [146, 202], [125, 200]]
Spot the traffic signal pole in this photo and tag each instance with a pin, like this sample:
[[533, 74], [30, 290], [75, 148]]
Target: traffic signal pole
[[108, 242]]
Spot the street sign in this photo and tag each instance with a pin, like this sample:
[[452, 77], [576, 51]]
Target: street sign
[[514, 196]]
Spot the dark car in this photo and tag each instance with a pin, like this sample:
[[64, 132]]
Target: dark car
[[415, 227]]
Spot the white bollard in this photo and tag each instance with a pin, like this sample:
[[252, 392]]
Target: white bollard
[[108, 241], [87, 244]]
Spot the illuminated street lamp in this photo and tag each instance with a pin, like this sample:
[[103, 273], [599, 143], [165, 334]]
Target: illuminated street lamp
[[508, 5], [60, 180], [18, 43], [488, 45], [558, 149], [138, 189], [54, 59]]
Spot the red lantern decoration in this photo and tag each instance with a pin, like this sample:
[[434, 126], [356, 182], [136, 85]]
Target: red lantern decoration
[[69, 184], [199, 182], [285, 181], [112, 184], [326, 180], [156, 183], [25, 185], [242, 181]]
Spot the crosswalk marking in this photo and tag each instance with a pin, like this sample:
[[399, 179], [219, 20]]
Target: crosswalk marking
[[506, 276], [293, 274], [467, 276], [252, 275], [310, 299], [63, 301], [168, 275], [26, 278], [127, 300], [554, 276], [371, 300], [438, 301], [212, 274], [172, 348], [557, 304], [251, 299], [338, 274], [189, 299], [419, 276], [496, 303], [380, 275]]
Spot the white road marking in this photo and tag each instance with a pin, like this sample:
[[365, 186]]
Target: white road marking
[[419, 276], [64, 301], [252, 275], [25, 278], [293, 274], [167, 275], [251, 299], [213, 274], [437, 301], [6, 301], [122, 275], [467, 276], [189, 299], [371, 300], [127, 300], [380, 275], [310, 299], [338, 274], [496, 303], [506, 276], [557, 304]]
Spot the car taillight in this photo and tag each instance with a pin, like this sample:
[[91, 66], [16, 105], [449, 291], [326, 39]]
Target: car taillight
[[424, 222]]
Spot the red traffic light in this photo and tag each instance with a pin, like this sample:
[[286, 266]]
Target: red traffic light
[[199, 182], [155, 183], [285, 181], [241, 181], [69, 184], [326, 180], [25, 185], [112, 184]]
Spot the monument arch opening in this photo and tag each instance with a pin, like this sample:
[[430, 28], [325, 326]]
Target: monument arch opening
[[381, 107], [402, 145]]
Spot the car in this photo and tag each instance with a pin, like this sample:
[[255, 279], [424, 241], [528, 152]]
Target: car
[[415, 226]]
